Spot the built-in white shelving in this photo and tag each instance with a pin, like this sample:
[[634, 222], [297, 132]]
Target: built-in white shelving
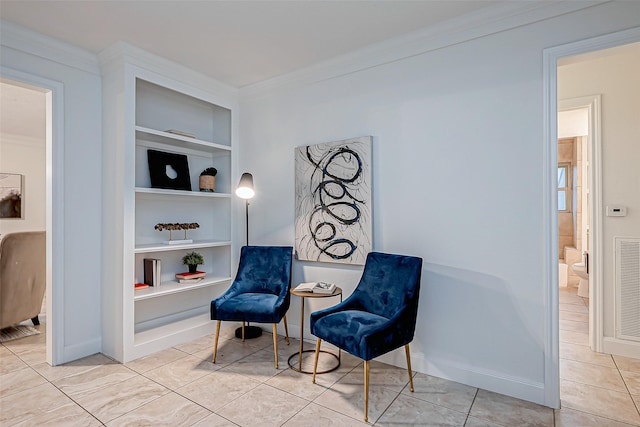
[[141, 106]]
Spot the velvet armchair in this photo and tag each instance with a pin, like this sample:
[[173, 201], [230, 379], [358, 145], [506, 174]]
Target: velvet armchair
[[379, 316], [259, 293]]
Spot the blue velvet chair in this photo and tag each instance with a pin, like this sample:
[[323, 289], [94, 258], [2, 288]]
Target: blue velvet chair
[[259, 293], [379, 316]]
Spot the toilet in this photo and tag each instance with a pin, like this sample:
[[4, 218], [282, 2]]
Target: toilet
[[581, 270]]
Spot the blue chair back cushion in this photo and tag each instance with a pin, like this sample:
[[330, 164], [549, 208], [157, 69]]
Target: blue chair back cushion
[[380, 314], [260, 291]]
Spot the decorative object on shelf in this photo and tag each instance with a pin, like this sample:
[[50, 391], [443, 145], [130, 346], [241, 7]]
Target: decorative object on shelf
[[177, 226], [11, 196], [181, 133], [207, 180], [140, 286], [193, 260], [169, 170], [333, 201], [152, 271]]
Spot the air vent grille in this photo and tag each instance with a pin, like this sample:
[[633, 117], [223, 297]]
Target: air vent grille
[[627, 264]]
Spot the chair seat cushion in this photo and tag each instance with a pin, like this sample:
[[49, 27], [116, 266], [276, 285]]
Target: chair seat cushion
[[349, 330], [250, 307]]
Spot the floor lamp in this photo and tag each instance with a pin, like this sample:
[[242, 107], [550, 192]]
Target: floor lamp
[[245, 191]]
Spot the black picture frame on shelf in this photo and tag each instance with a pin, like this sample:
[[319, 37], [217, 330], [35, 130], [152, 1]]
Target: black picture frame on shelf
[[169, 170]]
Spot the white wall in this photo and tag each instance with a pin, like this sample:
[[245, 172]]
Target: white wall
[[615, 77], [27, 157], [457, 178], [77, 296]]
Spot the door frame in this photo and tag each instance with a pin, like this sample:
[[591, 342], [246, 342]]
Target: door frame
[[549, 193], [54, 217]]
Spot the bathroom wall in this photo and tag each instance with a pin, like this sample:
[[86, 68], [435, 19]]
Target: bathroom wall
[[566, 154]]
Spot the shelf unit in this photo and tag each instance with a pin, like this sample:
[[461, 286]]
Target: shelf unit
[[140, 107]]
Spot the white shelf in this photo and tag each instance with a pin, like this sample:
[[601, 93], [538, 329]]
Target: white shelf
[[167, 192], [173, 287], [161, 247], [180, 141]]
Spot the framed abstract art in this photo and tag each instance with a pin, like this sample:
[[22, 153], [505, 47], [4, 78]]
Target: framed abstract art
[[333, 201]]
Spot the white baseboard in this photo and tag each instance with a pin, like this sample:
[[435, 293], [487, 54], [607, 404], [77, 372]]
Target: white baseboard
[[78, 351], [620, 347]]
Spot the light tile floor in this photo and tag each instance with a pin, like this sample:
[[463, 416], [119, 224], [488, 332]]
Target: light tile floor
[[181, 387]]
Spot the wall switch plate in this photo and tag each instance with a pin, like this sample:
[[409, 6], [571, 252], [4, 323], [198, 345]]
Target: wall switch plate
[[616, 210]]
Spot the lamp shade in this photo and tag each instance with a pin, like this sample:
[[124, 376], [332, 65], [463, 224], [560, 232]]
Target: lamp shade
[[245, 187]]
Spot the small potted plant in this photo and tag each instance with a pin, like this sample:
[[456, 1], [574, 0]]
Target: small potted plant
[[207, 180], [192, 259]]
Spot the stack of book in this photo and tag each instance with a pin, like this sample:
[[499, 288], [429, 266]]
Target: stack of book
[[188, 277], [316, 287], [152, 271]]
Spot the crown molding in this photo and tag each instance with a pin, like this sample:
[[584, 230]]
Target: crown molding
[[25, 40], [503, 17], [121, 52]]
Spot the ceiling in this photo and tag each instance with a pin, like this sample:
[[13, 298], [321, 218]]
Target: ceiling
[[236, 42]]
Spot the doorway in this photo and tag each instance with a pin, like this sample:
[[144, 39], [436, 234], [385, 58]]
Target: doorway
[[38, 128], [552, 58]]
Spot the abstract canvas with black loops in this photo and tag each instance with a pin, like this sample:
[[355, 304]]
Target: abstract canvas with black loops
[[333, 201]]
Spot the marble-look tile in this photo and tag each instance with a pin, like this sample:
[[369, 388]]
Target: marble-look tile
[[408, 411], [318, 416], [581, 353], [636, 399], [572, 337], [214, 420], [297, 383], [94, 379], [347, 364], [509, 411], [171, 410], [575, 326], [197, 345], [574, 308], [20, 380], [260, 365], [118, 399], [442, 392], [69, 415], [155, 360], [269, 405], [627, 364], [347, 397], [596, 400], [477, 422], [181, 372], [632, 380], [10, 362], [20, 407], [566, 417], [53, 373], [228, 352], [594, 375], [216, 389], [576, 317], [388, 376], [27, 343]]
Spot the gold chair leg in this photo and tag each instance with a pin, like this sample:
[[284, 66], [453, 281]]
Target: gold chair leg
[[286, 329], [243, 331], [215, 344], [406, 350], [366, 391], [275, 343], [315, 363]]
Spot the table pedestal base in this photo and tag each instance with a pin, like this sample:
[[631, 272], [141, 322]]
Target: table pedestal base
[[297, 365]]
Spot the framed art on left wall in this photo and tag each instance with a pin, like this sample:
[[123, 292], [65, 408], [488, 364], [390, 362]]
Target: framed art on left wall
[[11, 205]]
